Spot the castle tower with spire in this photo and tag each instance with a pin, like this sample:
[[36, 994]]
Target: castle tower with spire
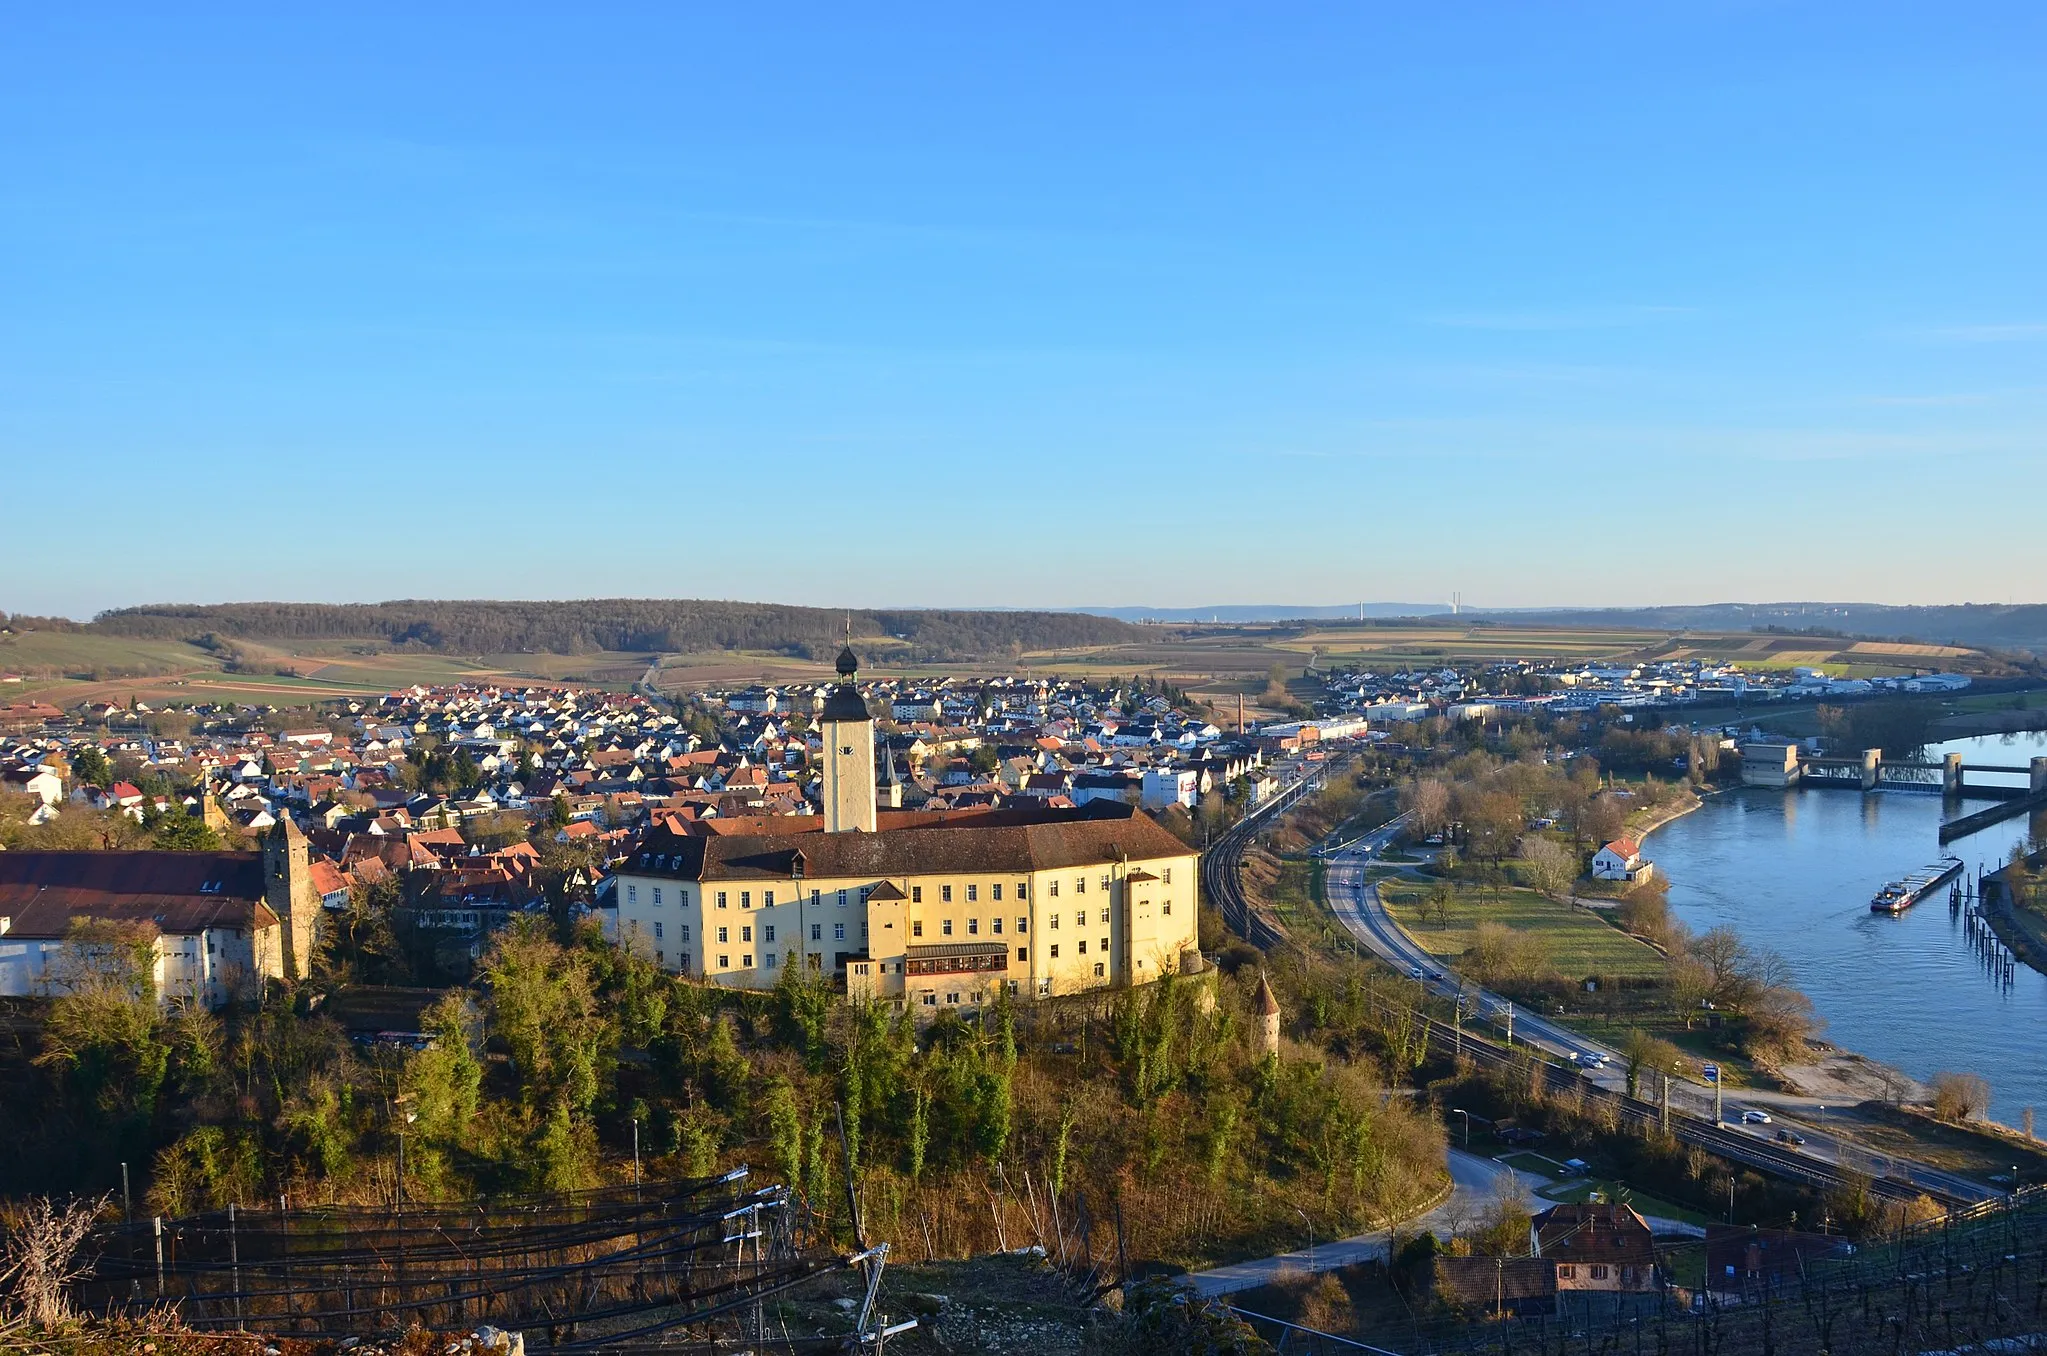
[[288, 889], [847, 731]]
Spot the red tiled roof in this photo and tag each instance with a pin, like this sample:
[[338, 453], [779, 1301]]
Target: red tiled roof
[[178, 892]]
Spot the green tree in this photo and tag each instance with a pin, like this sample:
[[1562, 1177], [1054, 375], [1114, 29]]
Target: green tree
[[185, 833], [89, 766]]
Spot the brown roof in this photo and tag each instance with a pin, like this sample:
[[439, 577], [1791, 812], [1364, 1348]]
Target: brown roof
[[179, 892], [1596, 1232], [976, 846]]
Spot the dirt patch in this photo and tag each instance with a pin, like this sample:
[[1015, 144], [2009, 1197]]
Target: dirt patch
[[1844, 1078]]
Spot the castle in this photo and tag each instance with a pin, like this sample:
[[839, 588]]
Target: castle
[[932, 909]]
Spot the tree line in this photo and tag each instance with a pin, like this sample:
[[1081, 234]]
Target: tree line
[[644, 624]]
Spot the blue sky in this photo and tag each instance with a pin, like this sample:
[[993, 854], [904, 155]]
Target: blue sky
[[883, 305]]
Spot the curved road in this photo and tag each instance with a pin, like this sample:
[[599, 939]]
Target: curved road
[[1354, 899]]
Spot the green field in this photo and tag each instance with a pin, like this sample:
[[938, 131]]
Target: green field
[[1575, 941]]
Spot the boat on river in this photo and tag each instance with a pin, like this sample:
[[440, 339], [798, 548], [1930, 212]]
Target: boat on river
[[1899, 895]]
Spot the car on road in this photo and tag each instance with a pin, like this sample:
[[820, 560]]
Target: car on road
[[1791, 1137], [1753, 1117], [1414, 972]]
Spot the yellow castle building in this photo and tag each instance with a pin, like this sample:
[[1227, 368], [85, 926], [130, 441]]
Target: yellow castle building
[[934, 909]]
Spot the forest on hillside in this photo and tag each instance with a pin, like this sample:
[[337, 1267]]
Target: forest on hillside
[[651, 624]]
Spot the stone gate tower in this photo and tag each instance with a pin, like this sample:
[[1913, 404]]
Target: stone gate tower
[[288, 889]]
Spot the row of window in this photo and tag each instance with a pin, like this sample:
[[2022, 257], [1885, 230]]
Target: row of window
[[632, 893], [767, 932]]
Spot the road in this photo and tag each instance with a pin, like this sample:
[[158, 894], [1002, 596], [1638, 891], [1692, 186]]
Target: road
[[1354, 899], [1476, 1183]]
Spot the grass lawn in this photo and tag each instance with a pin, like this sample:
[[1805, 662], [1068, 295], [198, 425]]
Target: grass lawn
[[1534, 1164], [1575, 941]]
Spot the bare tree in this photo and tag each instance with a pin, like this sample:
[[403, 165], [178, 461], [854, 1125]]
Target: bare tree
[[1548, 866], [41, 1257]]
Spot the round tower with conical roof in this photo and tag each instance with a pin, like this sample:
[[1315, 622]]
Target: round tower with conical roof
[[1268, 1018]]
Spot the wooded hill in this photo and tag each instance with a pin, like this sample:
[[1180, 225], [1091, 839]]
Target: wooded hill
[[650, 624]]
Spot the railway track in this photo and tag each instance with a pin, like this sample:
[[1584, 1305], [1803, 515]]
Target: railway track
[[1221, 880]]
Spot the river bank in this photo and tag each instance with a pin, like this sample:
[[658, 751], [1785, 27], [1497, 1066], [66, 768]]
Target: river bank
[[1792, 872]]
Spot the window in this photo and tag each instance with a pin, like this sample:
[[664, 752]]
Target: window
[[930, 1000], [842, 899], [1166, 908], [945, 894], [767, 899], [722, 935], [657, 896], [657, 931], [838, 932], [685, 932], [746, 899], [1105, 946], [1098, 969], [995, 893], [917, 928], [813, 899], [683, 960], [660, 958], [1080, 885], [952, 998], [1168, 877], [768, 933], [973, 927], [1054, 921], [1023, 889], [1105, 885], [724, 962], [1023, 953], [916, 894], [995, 926], [1566, 1271], [817, 932], [746, 961], [632, 894], [1599, 1271], [1023, 924], [1083, 946], [746, 934], [945, 927], [973, 893], [1054, 951], [1080, 918], [1055, 889], [721, 899], [768, 960]]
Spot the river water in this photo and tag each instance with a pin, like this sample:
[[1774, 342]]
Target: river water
[[1794, 870]]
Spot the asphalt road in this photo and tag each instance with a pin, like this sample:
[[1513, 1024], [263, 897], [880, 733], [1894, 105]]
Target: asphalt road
[[1355, 901]]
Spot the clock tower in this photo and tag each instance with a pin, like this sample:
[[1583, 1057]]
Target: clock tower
[[848, 734]]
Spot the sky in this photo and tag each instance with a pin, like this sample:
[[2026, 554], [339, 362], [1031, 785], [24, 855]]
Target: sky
[[1033, 305]]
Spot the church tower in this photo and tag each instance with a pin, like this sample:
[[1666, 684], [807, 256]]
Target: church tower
[[288, 889], [848, 734]]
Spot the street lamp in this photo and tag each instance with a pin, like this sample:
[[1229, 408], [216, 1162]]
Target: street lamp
[[1310, 1224], [1460, 1111]]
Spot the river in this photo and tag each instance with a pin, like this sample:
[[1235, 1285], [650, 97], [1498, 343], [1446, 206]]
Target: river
[[1793, 871]]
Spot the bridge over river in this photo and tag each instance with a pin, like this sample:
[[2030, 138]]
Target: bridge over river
[[1786, 764]]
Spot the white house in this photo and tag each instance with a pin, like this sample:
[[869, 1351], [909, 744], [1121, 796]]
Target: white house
[[1165, 786], [39, 782], [1621, 860]]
